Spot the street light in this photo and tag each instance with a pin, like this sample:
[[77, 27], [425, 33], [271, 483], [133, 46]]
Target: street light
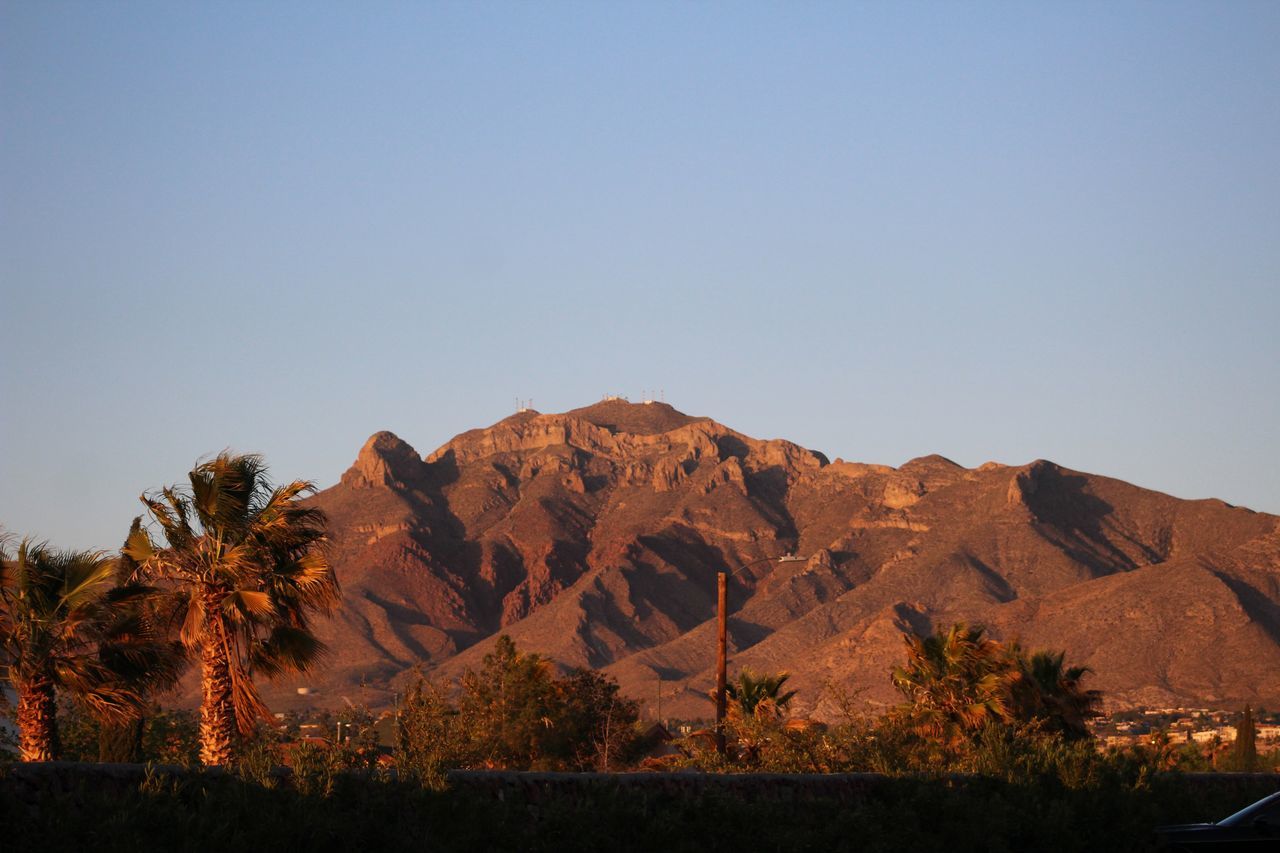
[[722, 654]]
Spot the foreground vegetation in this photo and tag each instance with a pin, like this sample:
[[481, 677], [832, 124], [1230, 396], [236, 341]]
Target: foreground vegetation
[[1114, 811]]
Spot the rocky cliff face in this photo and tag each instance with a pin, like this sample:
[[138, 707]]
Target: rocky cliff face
[[594, 536]]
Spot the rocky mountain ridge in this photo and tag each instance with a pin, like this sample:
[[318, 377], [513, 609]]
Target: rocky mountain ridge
[[594, 536]]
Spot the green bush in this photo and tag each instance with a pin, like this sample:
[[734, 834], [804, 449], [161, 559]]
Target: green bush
[[515, 713]]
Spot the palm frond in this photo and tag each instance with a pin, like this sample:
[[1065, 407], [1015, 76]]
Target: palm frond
[[193, 633], [86, 578], [248, 705], [6, 540], [137, 549], [171, 514], [287, 650], [248, 605]]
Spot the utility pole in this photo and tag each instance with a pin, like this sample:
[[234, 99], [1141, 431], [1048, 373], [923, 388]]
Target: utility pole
[[722, 653], [722, 586]]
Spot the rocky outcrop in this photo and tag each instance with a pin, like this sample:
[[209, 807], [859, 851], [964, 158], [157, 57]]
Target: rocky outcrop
[[1023, 484], [385, 460]]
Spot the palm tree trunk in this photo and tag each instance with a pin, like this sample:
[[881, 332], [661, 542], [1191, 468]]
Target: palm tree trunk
[[37, 719], [217, 701]]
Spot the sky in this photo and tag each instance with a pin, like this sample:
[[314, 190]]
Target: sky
[[995, 231]]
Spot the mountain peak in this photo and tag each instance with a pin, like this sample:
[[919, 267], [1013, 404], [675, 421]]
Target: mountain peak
[[618, 415], [933, 461], [386, 459]]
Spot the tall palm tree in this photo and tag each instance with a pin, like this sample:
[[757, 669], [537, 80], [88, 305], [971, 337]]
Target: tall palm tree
[[65, 625], [246, 568], [956, 681]]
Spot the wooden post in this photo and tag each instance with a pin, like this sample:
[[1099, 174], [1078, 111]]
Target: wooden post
[[722, 584]]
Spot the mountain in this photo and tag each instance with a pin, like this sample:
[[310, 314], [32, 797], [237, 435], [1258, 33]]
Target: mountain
[[595, 536]]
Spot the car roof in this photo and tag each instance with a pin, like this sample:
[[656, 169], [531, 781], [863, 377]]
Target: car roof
[[1253, 811]]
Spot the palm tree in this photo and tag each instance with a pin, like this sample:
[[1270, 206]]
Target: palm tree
[[757, 703], [245, 566], [1048, 691], [956, 681], [752, 692], [65, 625], [141, 657]]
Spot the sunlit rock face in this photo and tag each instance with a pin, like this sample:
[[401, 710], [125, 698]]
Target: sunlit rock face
[[594, 537]]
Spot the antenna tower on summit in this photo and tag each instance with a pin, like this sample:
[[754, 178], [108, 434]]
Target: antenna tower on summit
[[523, 406], [650, 397]]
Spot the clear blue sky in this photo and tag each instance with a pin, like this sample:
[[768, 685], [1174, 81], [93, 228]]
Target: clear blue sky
[[992, 231]]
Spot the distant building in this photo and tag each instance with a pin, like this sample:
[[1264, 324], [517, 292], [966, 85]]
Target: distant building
[[1226, 734]]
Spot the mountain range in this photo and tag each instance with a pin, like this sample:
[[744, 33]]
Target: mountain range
[[594, 537]]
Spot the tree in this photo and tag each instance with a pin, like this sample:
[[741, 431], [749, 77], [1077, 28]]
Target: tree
[[757, 733], [1049, 692], [597, 723], [514, 713], [956, 681], [750, 691], [429, 738], [66, 626], [510, 706], [245, 568], [1244, 755]]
